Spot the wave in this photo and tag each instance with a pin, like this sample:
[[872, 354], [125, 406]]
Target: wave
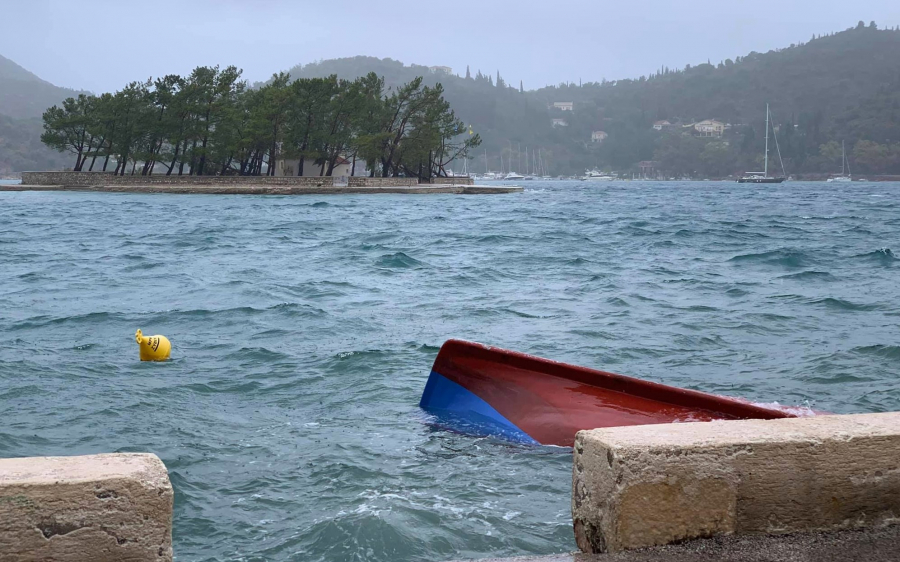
[[841, 304], [810, 275], [883, 256], [498, 238], [781, 257], [399, 260], [883, 351]]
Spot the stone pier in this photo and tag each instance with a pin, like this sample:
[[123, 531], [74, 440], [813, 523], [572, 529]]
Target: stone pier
[[96, 508], [247, 185]]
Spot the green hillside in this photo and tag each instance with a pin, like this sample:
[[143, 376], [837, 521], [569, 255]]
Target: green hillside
[[24, 95], [840, 87], [843, 86], [23, 99]]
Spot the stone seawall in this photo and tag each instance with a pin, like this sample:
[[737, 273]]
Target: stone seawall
[[88, 179], [453, 181], [362, 181]]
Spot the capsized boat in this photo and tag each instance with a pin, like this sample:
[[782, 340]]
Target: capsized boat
[[483, 390]]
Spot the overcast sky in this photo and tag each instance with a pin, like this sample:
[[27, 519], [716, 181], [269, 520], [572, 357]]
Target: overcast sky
[[100, 45]]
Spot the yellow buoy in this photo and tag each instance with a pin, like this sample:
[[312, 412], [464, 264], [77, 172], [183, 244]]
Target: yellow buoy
[[153, 348]]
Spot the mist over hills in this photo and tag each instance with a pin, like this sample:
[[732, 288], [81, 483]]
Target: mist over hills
[[23, 99], [24, 95], [841, 86]]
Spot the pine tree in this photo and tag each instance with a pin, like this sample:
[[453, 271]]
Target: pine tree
[[521, 88], [468, 74]]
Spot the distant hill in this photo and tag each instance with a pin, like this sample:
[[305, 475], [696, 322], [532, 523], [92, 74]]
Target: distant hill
[[842, 86], [23, 99], [23, 95]]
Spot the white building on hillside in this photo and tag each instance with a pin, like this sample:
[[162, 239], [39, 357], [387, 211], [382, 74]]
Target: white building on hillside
[[564, 105], [710, 128], [598, 136]]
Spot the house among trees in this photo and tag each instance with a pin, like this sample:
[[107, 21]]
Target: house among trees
[[560, 123], [291, 167], [564, 105], [649, 170], [598, 136], [660, 125], [710, 128], [439, 69]]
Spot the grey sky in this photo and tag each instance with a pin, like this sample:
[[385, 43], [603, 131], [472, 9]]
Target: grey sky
[[100, 45]]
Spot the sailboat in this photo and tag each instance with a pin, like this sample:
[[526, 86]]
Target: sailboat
[[842, 177], [763, 177]]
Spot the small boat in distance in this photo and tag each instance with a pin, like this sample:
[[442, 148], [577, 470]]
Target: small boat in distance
[[594, 175], [842, 177], [763, 177], [514, 176], [480, 390]]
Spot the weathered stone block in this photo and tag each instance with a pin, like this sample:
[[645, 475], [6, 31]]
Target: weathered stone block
[[657, 484], [94, 508]]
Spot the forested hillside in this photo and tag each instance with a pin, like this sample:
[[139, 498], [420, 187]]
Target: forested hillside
[[839, 87], [23, 98], [843, 86]]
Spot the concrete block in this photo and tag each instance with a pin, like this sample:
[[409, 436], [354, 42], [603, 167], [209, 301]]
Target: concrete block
[[95, 508], [651, 485]]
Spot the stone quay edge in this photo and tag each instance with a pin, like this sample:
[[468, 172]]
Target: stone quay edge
[[641, 486], [94, 508]]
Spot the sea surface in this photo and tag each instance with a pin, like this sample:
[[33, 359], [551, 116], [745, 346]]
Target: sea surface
[[304, 329]]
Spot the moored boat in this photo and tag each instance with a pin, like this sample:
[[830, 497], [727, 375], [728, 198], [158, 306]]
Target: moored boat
[[842, 178], [764, 177], [484, 390], [594, 175]]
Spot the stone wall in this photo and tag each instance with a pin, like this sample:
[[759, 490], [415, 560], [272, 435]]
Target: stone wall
[[94, 508], [453, 181], [87, 179], [640, 486], [363, 181]]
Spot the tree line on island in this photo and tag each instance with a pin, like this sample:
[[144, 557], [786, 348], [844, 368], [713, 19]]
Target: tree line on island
[[212, 123]]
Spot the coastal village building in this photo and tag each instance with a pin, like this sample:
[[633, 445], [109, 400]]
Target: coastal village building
[[289, 167], [710, 128], [564, 105], [560, 123], [648, 169], [444, 69], [598, 136], [660, 125]]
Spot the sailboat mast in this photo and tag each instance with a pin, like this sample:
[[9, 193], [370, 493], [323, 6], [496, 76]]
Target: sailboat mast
[[766, 172], [843, 157]]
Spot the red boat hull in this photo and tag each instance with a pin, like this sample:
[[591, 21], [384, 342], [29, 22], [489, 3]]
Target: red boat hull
[[502, 391]]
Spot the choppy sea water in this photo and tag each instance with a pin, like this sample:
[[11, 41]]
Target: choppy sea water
[[304, 329]]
